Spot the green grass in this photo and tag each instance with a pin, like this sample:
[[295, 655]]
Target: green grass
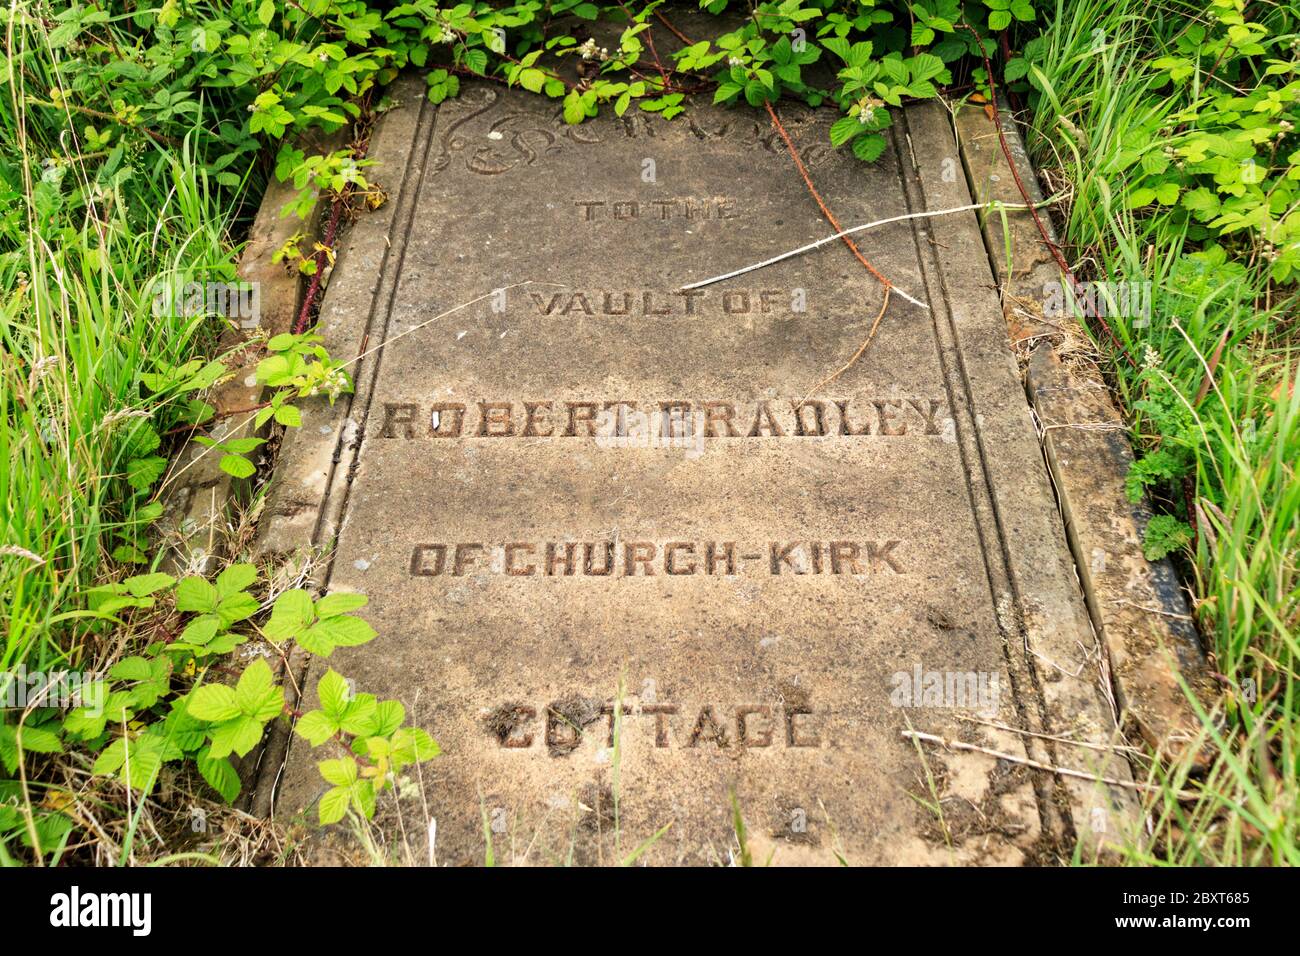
[[79, 251], [1212, 387]]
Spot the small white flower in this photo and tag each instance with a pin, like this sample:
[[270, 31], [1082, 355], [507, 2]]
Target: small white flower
[[333, 384], [735, 61]]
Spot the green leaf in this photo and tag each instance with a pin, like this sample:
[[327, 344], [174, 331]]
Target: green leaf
[[726, 90], [322, 637], [315, 641], [214, 703], [288, 416], [316, 727], [1140, 197], [925, 66], [237, 577], [140, 760], [363, 797], [237, 607], [389, 714], [39, 740], [292, 612], [242, 446], [839, 46], [341, 772], [413, 745], [532, 79], [362, 717], [132, 669], [1164, 535], [201, 630], [197, 595], [257, 694], [1203, 203], [574, 113], [111, 758], [237, 466], [341, 602], [142, 585], [236, 736], [141, 473], [869, 148], [844, 129], [333, 805], [334, 693], [219, 773]]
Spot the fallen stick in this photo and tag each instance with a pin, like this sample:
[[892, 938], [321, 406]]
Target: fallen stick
[[875, 326], [863, 228], [443, 315], [1038, 765], [1060, 740]]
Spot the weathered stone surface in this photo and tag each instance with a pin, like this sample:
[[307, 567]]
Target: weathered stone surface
[[195, 522], [1137, 606], [768, 588]]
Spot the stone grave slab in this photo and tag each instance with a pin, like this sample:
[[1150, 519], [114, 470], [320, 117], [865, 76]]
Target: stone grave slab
[[599, 480]]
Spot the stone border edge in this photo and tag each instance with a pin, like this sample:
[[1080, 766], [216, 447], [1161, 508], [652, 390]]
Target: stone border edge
[[1137, 607], [196, 509]]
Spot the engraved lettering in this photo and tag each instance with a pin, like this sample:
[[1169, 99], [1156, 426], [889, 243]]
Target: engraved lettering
[[420, 560], [447, 419], [801, 424], [511, 550], [727, 558], [764, 420], [532, 420], [761, 737], [639, 552], [589, 554], [399, 415], [495, 420], [554, 561], [671, 565], [584, 412], [708, 728], [463, 557]]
